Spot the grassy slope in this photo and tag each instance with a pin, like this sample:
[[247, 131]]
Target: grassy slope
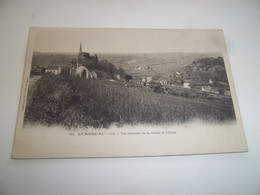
[[77, 102]]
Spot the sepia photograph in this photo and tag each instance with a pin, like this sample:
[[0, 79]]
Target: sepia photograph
[[84, 85], [84, 90]]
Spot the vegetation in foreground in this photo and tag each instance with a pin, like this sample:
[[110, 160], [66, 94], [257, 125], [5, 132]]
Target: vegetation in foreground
[[77, 102]]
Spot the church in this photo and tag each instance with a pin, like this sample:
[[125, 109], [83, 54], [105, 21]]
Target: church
[[80, 70]]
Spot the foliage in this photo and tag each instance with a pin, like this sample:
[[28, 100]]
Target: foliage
[[128, 78], [202, 70], [93, 64], [77, 102], [158, 89]]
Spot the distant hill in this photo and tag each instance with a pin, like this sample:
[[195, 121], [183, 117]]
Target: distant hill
[[202, 70], [46, 59], [160, 65], [163, 65]]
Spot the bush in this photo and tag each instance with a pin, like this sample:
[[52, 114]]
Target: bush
[[158, 89]]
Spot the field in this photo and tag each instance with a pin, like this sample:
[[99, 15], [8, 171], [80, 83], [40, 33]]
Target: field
[[77, 102]]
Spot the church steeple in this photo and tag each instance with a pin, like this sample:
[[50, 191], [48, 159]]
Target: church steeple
[[80, 57], [80, 48]]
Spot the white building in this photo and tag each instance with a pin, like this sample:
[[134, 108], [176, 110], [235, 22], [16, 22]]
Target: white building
[[209, 89], [53, 69], [163, 82], [186, 85], [118, 76], [149, 79]]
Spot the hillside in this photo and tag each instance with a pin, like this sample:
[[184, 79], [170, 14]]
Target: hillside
[[202, 70], [163, 65], [77, 102]]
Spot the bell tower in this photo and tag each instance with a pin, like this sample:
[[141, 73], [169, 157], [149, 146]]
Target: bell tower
[[80, 57]]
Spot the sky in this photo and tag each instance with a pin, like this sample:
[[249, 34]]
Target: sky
[[126, 40]]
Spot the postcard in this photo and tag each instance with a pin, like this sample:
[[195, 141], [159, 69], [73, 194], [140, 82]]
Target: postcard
[[90, 92]]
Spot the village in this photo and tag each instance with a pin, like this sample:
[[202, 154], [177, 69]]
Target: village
[[85, 90], [184, 83]]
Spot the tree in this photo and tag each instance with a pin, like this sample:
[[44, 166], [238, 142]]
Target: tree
[[111, 69], [120, 71], [128, 78]]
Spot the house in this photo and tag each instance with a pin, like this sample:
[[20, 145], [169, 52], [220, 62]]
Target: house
[[53, 69], [163, 82], [206, 88], [186, 84], [209, 89], [149, 79], [210, 81], [195, 69], [118, 76], [225, 88]]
